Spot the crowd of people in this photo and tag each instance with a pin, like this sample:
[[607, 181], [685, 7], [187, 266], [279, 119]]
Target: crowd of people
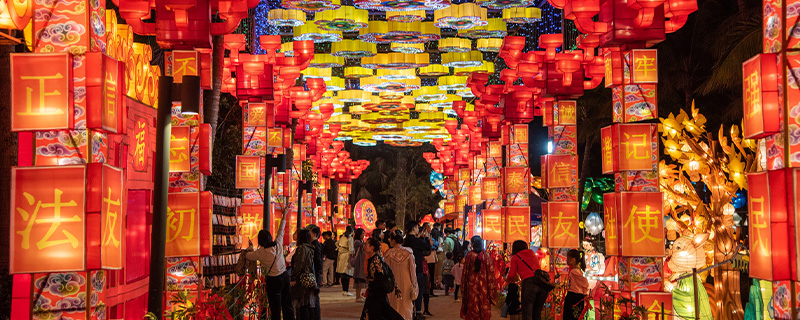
[[394, 273]]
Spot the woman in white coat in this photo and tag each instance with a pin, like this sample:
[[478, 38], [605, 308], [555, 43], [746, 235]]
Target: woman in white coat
[[345, 248], [401, 260]]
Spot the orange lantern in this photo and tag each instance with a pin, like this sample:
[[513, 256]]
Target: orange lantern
[[761, 102], [560, 171], [611, 223], [257, 116], [644, 64], [461, 202], [520, 133], [515, 179], [183, 224], [475, 195], [248, 172], [772, 201], [656, 303], [518, 223], [206, 226], [275, 137], [105, 91], [562, 225], [105, 207], [613, 68], [181, 63], [490, 188], [15, 14], [566, 110], [41, 91], [642, 232], [48, 219], [179, 149], [495, 149], [628, 146], [206, 152], [252, 216], [492, 225], [450, 207]]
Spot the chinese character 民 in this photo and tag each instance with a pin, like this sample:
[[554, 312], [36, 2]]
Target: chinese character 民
[[517, 225], [646, 221], [758, 223], [492, 224]]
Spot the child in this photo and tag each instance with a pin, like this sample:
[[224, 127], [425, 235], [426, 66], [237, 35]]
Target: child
[[577, 285], [457, 272], [447, 273]]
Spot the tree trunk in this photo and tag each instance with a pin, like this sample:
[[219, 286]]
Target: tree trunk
[[211, 109], [727, 290], [585, 165]]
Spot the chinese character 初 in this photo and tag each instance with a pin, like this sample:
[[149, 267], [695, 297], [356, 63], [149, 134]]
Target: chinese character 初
[[55, 221], [175, 224], [646, 221]]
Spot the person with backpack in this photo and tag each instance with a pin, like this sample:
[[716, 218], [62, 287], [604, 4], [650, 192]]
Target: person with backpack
[[380, 283], [401, 260]]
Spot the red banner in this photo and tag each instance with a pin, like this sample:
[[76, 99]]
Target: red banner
[[248, 172], [642, 233], [275, 138], [490, 188], [762, 109], [105, 92], [48, 221], [656, 304], [515, 179], [41, 91], [562, 225], [628, 147], [518, 224], [520, 133], [492, 225], [183, 224], [141, 151], [475, 195], [179, 147], [613, 68]]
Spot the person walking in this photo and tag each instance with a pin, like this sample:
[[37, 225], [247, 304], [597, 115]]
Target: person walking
[[380, 283], [401, 260], [358, 262], [577, 285], [304, 283], [458, 272], [270, 255], [345, 247], [447, 273], [479, 289], [431, 260], [421, 247], [524, 264], [318, 261], [330, 255]]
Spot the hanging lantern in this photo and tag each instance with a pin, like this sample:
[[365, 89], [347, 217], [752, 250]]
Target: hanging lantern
[[489, 45], [334, 84], [374, 84], [344, 19], [408, 47], [353, 49], [287, 48], [455, 45], [395, 75], [311, 6], [593, 224], [761, 104], [396, 60], [522, 15], [322, 60], [15, 14], [433, 70], [429, 94], [317, 72], [402, 5], [286, 18], [355, 96], [312, 32], [460, 16], [486, 67], [496, 28], [505, 4], [462, 59], [412, 32], [357, 72], [452, 83], [405, 16]]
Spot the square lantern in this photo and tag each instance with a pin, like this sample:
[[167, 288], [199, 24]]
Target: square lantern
[[520, 132], [518, 223], [562, 225], [613, 68], [642, 221], [611, 223], [206, 225], [475, 195], [560, 170], [252, 221], [105, 92], [257, 114], [183, 224], [515, 179], [629, 147], [548, 110], [206, 149], [41, 91], [492, 225], [565, 112], [762, 110], [656, 303], [248, 172], [179, 149], [644, 66], [490, 188], [105, 208], [179, 63]]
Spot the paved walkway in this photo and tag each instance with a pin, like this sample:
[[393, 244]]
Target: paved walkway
[[338, 307]]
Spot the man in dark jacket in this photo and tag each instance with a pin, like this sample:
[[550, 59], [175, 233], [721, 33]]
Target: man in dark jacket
[[330, 254], [421, 246], [316, 314]]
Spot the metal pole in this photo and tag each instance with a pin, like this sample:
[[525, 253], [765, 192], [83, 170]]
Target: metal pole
[[663, 312], [696, 295], [158, 237], [300, 188], [267, 214]]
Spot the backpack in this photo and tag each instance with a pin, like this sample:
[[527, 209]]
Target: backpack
[[386, 279], [458, 249]]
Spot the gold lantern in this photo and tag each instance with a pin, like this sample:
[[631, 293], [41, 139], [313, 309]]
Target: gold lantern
[[455, 45], [286, 18], [460, 16], [353, 49]]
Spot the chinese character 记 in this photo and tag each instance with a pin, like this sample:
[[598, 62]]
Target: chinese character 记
[[646, 221], [758, 223], [645, 65], [753, 95], [563, 225], [632, 148], [111, 220], [43, 109], [55, 222], [517, 225], [175, 221]]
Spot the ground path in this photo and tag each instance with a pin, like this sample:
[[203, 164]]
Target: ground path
[[338, 307]]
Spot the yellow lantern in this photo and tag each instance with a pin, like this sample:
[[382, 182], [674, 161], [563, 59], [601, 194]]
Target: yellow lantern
[[522, 15], [452, 83], [287, 48], [324, 73], [490, 45], [455, 45], [387, 74], [344, 19], [486, 66], [357, 72], [310, 31], [405, 16], [495, 29], [460, 16], [374, 84], [433, 70], [342, 119], [407, 47], [386, 32], [286, 18], [429, 94], [354, 96], [324, 60], [425, 107], [462, 59], [353, 49], [335, 84], [396, 60]]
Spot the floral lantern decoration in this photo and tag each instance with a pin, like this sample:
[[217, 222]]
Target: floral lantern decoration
[[311, 32], [357, 72], [402, 5], [396, 74], [522, 15], [374, 84], [455, 45], [399, 32], [286, 18], [433, 70], [353, 49], [344, 19], [489, 44], [462, 59], [460, 16], [405, 16], [407, 47], [593, 224], [311, 6], [496, 28]]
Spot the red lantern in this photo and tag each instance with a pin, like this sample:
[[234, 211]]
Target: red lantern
[[206, 149], [761, 102], [490, 188], [48, 221], [515, 179], [518, 223], [252, 216], [248, 172], [644, 65], [560, 170], [179, 147], [492, 225], [611, 222], [642, 232], [772, 200], [105, 206], [41, 91], [183, 225], [206, 226], [475, 195], [105, 91], [613, 68], [562, 225], [629, 147], [257, 114], [566, 110], [181, 63], [656, 303]]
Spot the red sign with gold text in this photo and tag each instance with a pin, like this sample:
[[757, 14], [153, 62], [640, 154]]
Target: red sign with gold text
[[111, 217], [179, 147], [611, 221], [567, 112], [656, 304], [182, 63], [490, 188], [520, 133], [141, 145], [559, 170], [183, 224], [758, 201], [475, 195], [562, 225], [613, 68], [644, 66], [252, 216], [48, 221], [41, 91], [760, 96], [492, 225], [275, 137], [248, 172], [635, 146], [113, 94], [642, 232], [607, 142], [518, 223], [257, 114], [515, 179]]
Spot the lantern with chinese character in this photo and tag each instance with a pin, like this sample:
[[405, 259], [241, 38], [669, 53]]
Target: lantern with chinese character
[[761, 103], [562, 224]]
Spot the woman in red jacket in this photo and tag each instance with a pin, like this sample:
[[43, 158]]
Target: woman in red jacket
[[524, 264]]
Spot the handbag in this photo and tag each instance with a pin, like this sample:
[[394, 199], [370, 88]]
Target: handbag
[[308, 280], [352, 262]]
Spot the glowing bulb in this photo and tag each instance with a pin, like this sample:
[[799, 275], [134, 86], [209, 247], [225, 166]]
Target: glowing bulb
[[728, 209], [694, 165]]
